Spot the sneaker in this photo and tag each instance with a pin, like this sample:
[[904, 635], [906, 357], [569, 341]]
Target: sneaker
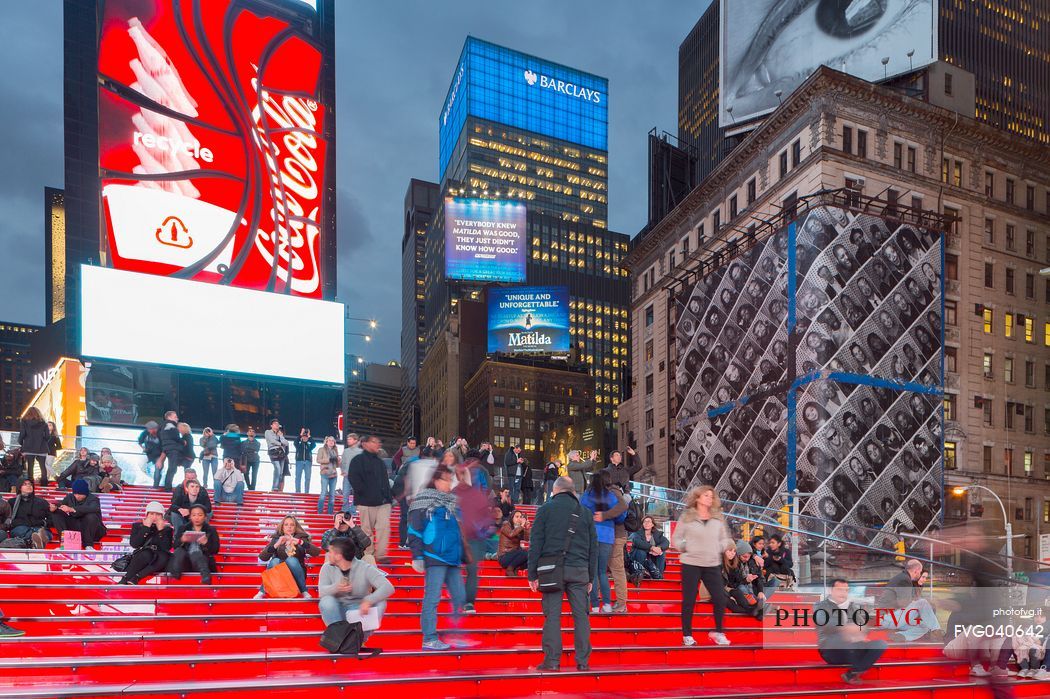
[[688, 641], [606, 608], [851, 678], [1041, 674], [719, 638], [595, 610], [39, 539], [977, 670], [583, 668], [306, 595], [468, 608], [260, 595], [435, 645], [619, 609], [1026, 673], [9, 632], [544, 667]]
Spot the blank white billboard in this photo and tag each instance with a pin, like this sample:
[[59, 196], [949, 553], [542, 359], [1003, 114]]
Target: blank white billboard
[[147, 318], [770, 45]]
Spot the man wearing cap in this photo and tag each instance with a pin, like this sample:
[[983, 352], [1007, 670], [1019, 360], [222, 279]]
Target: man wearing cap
[[80, 511], [151, 538]]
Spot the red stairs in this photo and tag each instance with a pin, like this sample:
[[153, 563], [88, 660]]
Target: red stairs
[[86, 636]]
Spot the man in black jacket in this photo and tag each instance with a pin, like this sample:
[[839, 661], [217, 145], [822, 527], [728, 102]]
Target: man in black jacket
[[512, 462], [173, 446], [372, 496], [839, 640], [917, 617], [80, 511], [149, 442], [578, 556], [623, 471], [29, 515]]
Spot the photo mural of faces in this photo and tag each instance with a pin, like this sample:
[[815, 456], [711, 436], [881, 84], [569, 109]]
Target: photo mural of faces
[[867, 304]]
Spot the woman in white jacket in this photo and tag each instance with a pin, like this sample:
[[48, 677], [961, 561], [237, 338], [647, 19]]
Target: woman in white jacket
[[701, 537]]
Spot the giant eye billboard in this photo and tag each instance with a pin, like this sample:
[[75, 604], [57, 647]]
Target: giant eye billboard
[[484, 240], [212, 143], [814, 362], [528, 319], [774, 45]]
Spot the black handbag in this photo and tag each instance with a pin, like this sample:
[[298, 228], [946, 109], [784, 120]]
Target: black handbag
[[277, 453], [550, 569], [121, 564], [343, 638]]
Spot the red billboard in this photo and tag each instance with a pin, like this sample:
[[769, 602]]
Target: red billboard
[[211, 143]]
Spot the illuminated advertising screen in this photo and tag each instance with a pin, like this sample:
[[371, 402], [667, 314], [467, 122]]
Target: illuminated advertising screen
[[211, 143], [529, 319], [508, 87], [774, 45], [147, 318], [484, 240]]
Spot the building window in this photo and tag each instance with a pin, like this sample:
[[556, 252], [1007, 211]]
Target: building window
[[1009, 190], [732, 207], [945, 168], [1011, 238], [751, 191], [912, 158], [1008, 461], [988, 318], [1008, 325], [789, 206], [498, 401], [1029, 243], [1029, 286], [796, 152], [847, 139], [951, 358], [1029, 197], [1028, 502], [1047, 290], [951, 312], [989, 231], [950, 462], [649, 419], [499, 441], [949, 406], [1046, 333], [530, 405], [862, 143], [716, 220], [649, 454], [987, 461], [854, 188], [530, 444], [649, 385], [989, 275], [515, 423], [648, 316], [672, 260], [951, 267], [1029, 419], [649, 351], [1009, 281], [989, 184], [1029, 373], [1029, 329], [499, 421], [957, 173], [947, 83], [783, 160], [986, 406], [1046, 426], [685, 247], [898, 155], [989, 367]]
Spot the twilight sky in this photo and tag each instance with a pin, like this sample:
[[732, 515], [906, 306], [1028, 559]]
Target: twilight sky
[[395, 60]]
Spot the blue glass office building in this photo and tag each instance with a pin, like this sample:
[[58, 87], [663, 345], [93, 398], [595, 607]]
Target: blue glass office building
[[534, 130]]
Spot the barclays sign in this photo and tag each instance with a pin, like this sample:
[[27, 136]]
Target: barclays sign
[[566, 88]]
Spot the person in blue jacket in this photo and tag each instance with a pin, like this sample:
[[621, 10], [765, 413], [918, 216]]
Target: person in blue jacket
[[436, 541], [609, 510]]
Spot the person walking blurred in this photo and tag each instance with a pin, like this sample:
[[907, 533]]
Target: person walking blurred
[[372, 496]]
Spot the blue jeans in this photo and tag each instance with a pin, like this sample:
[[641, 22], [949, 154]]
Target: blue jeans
[[208, 466], [278, 473], [293, 565], [515, 489], [327, 491], [601, 580], [653, 565], [436, 577], [927, 620], [302, 471], [158, 470], [348, 506], [237, 496], [24, 531], [478, 548]]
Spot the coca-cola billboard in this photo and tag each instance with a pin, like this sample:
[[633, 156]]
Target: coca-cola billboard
[[211, 142]]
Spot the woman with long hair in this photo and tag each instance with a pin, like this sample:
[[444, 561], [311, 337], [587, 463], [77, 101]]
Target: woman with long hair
[[289, 544], [327, 459], [701, 538], [608, 509], [34, 437], [734, 578]]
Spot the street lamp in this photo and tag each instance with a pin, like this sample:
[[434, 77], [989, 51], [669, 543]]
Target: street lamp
[[371, 321], [368, 338], [960, 490]]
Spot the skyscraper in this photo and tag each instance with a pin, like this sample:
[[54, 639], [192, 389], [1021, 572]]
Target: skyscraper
[[518, 128]]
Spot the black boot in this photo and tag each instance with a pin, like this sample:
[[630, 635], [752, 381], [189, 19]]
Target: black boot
[[200, 564]]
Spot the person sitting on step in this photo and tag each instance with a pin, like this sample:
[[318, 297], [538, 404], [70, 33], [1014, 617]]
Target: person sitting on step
[[30, 515], [289, 544], [345, 528], [347, 583], [182, 499], [80, 511], [151, 538], [512, 557], [754, 584], [649, 548], [229, 483], [845, 644], [734, 576], [196, 545]]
